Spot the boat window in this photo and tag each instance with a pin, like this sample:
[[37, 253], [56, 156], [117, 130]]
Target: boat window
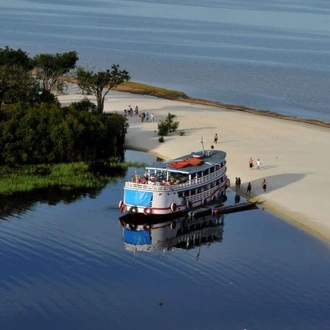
[[183, 194]]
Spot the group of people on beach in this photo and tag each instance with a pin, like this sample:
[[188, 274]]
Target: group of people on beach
[[249, 186], [238, 183], [251, 163], [144, 117], [129, 111], [147, 117]]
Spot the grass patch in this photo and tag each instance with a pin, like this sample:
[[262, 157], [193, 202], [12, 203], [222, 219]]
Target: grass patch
[[142, 89], [63, 176], [138, 88]]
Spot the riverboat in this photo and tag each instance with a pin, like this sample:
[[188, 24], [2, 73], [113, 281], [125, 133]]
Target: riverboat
[[178, 185]]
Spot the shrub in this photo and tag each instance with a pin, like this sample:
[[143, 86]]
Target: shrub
[[168, 125], [162, 128], [84, 105], [161, 139]]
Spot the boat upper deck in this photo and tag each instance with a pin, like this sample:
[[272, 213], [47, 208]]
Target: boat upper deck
[[162, 176], [209, 159]]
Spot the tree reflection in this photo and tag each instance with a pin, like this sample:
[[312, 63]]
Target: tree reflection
[[20, 203]]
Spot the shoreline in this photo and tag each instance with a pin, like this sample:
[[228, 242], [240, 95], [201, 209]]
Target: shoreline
[[173, 95], [234, 107], [262, 204], [294, 154]]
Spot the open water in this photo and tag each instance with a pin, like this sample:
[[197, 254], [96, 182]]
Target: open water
[[271, 55], [63, 265]]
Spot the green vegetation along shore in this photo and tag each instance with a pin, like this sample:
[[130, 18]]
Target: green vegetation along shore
[[69, 176]]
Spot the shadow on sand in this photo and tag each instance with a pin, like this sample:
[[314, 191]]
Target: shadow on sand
[[267, 167], [275, 182]]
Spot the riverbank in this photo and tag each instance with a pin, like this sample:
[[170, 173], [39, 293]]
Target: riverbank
[[148, 90], [294, 155], [141, 89]]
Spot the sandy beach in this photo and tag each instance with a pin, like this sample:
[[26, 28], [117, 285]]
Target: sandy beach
[[295, 157]]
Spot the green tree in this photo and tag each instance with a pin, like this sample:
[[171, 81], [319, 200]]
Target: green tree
[[11, 57], [51, 67], [168, 125], [100, 83], [17, 85]]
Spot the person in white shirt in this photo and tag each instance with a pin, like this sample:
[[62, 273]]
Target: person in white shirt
[[258, 164]]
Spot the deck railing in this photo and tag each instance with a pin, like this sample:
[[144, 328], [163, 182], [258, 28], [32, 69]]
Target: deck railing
[[194, 183]]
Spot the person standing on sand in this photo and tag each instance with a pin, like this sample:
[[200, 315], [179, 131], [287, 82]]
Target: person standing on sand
[[264, 185], [258, 164], [239, 182], [250, 163], [215, 138], [248, 189]]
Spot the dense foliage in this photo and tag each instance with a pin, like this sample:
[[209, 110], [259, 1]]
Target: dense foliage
[[34, 129], [11, 57], [45, 133], [16, 84], [84, 105]]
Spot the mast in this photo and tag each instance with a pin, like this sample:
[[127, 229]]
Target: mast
[[202, 144]]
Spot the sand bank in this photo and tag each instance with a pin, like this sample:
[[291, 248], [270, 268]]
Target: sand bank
[[295, 156]]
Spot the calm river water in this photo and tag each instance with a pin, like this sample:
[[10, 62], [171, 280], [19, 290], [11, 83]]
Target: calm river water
[[272, 55], [63, 265]]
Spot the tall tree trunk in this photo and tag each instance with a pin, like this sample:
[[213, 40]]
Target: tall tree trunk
[[100, 101]]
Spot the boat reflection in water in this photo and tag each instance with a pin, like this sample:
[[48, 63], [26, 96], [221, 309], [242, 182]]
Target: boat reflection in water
[[185, 232]]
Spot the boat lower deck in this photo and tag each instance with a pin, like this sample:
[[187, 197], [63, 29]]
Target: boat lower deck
[[212, 209]]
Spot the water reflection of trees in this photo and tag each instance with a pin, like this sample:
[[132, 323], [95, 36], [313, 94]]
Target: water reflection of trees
[[19, 203]]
